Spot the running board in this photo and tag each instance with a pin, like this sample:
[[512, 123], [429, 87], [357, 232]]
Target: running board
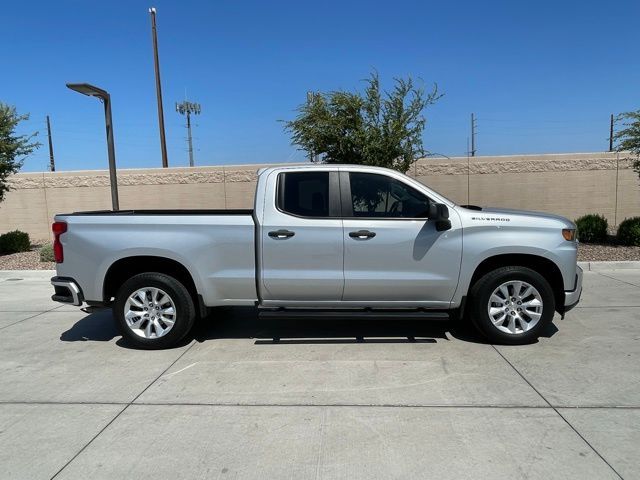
[[301, 314]]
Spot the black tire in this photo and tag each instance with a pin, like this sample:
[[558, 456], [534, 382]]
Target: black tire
[[185, 312], [479, 300]]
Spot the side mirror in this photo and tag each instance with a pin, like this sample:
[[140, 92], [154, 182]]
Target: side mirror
[[439, 213]]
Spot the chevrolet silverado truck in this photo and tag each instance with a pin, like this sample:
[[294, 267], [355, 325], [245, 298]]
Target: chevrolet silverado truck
[[322, 240]]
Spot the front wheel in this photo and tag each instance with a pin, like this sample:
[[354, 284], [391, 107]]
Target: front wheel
[[512, 305], [154, 310]]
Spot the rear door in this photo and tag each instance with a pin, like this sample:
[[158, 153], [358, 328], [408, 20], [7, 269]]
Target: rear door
[[301, 234], [393, 253]]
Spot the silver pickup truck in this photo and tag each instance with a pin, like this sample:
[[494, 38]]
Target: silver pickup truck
[[322, 240]]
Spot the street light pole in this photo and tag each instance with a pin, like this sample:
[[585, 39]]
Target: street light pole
[[103, 95], [111, 149]]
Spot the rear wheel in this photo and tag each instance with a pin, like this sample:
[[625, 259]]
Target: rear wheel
[[512, 305], [154, 310]]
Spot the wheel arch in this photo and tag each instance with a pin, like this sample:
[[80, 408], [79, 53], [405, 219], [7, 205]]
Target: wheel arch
[[124, 268], [545, 267]]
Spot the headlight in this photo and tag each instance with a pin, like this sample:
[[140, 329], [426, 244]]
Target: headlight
[[569, 234]]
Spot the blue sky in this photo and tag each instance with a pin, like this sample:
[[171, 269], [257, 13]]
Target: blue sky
[[540, 76]]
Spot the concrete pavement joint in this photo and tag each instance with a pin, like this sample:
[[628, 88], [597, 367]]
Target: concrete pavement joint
[[323, 421], [29, 318], [623, 281], [557, 412], [122, 411], [325, 405]]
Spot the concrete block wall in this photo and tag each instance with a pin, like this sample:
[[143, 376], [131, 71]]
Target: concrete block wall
[[566, 184]]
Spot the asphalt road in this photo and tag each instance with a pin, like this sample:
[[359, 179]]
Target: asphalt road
[[326, 399]]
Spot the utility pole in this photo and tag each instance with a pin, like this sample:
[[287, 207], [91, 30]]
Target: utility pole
[[468, 174], [156, 63], [52, 162], [473, 135], [187, 108], [611, 134], [312, 156]]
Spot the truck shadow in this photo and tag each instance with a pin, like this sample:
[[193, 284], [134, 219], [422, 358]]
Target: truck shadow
[[98, 326], [244, 323], [238, 323]]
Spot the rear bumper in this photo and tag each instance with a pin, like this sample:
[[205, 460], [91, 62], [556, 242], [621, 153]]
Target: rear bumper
[[571, 298], [66, 291]]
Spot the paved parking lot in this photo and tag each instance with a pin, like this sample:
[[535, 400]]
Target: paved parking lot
[[319, 399]]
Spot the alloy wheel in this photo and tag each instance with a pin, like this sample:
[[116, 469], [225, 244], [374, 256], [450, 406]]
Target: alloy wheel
[[515, 307], [150, 312]]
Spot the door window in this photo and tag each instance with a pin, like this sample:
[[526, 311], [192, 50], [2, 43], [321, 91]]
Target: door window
[[305, 194], [374, 195]]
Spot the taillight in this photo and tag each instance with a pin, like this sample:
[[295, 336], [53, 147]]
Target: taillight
[[58, 228]]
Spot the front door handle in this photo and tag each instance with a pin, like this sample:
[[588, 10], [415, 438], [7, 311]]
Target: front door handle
[[362, 234], [281, 234]]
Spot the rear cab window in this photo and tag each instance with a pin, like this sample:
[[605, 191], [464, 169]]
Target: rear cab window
[[303, 194]]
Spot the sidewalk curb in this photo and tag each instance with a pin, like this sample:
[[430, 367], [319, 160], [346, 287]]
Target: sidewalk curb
[[597, 266], [29, 273]]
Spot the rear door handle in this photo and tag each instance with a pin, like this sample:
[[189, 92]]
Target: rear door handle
[[362, 234], [281, 234]]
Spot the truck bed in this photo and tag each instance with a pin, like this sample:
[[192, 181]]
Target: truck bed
[[217, 247]]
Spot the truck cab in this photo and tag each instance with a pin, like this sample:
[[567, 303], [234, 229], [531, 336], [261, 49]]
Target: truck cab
[[354, 237]]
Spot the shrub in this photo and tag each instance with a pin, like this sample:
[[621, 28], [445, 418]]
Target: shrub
[[629, 232], [592, 228], [46, 253], [13, 242]]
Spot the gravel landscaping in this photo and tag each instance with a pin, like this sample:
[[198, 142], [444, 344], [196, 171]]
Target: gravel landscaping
[[586, 253], [606, 252], [25, 261]]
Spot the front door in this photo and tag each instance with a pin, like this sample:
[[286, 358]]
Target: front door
[[301, 235], [393, 253]]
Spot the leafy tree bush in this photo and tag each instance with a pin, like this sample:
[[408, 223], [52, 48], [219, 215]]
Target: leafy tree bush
[[592, 228], [46, 253], [13, 148], [629, 232], [374, 128], [13, 242], [628, 138]]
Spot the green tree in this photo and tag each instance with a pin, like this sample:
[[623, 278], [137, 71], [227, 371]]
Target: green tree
[[372, 128], [628, 138], [13, 148]]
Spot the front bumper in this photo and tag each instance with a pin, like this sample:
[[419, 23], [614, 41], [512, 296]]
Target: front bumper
[[66, 291], [571, 298]]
